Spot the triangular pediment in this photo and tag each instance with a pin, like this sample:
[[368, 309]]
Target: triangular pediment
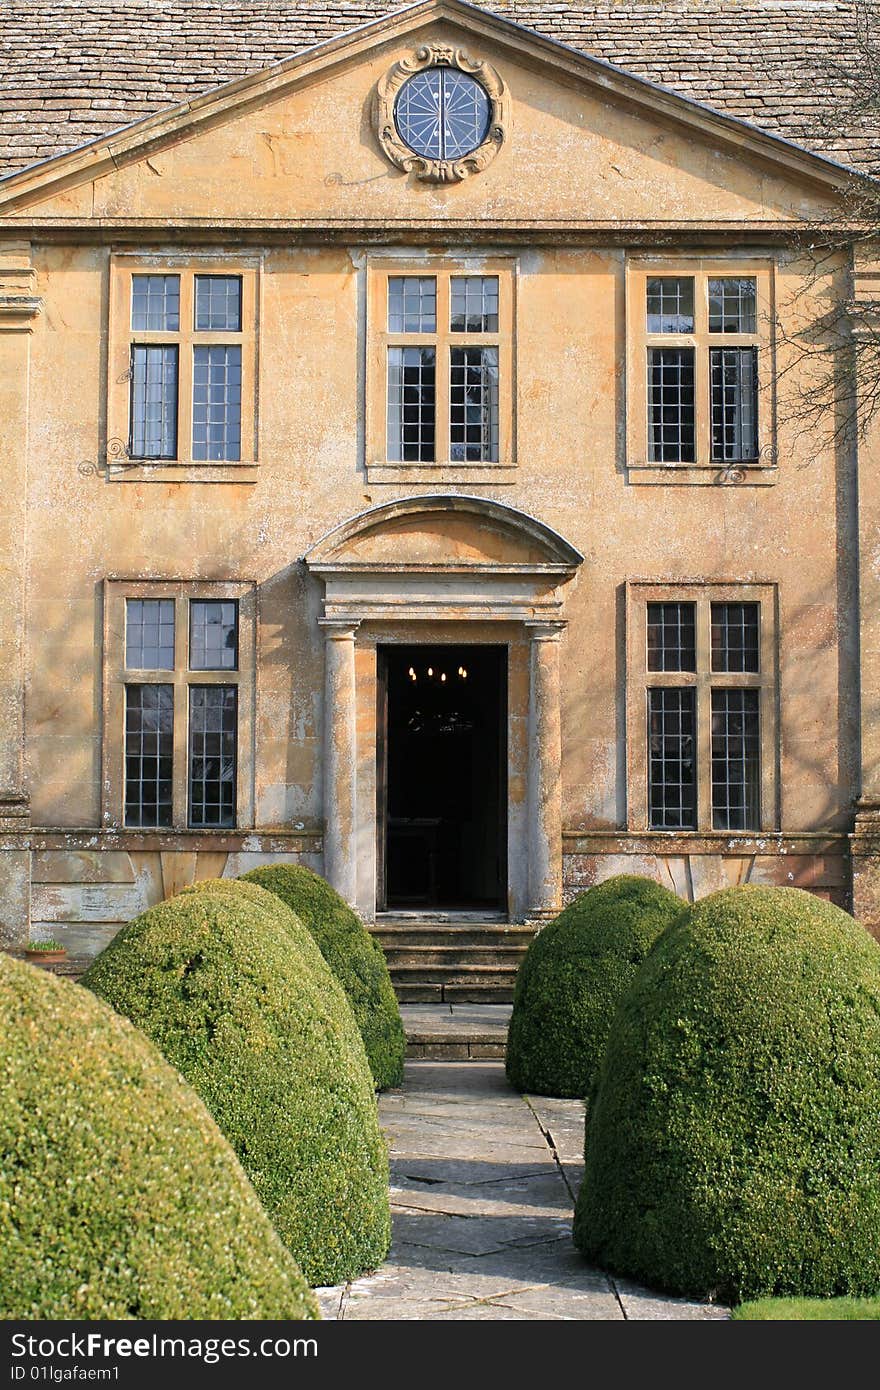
[[296, 145]]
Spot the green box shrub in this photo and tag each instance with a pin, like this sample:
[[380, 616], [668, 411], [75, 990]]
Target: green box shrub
[[572, 978], [119, 1197], [357, 961], [230, 987], [734, 1144]]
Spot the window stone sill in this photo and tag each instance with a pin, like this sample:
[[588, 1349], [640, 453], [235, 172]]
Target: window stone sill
[[703, 474], [139, 471], [468, 474]]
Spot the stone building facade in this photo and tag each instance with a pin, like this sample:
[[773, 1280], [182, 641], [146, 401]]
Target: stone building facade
[[402, 470]]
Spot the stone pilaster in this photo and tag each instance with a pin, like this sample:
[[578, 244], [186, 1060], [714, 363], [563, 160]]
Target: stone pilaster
[[340, 758], [19, 307], [865, 845], [544, 770], [866, 839]]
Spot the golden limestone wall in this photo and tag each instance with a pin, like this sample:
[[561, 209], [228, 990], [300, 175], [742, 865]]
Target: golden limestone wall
[[293, 185], [86, 526]]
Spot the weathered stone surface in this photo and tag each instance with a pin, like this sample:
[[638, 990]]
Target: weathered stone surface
[[489, 1236], [15, 895], [82, 866], [641, 1305]]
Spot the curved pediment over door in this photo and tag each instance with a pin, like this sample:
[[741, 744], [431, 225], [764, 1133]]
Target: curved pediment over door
[[443, 557]]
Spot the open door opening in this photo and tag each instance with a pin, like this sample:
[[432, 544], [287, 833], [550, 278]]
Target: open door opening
[[442, 778]]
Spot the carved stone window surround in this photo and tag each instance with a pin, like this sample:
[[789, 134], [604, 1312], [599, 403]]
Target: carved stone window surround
[[440, 55], [641, 592], [762, 471], [116, 464], [116, 676], [380, 268]]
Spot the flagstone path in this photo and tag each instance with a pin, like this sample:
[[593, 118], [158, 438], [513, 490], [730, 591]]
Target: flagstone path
[[483, 1183]]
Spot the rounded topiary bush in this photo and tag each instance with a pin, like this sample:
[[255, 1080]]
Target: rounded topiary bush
[[572, 979], [357, 961], [119, 1197], [734, 1143], [238, 999]]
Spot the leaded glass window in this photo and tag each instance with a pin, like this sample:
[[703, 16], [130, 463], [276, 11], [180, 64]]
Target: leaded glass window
[[412, 304], [474, 304], [671, 304], [153, 401], [734, 403], [213, 725], [735, 637], [149, 634], [671, 405], [442, 113], [672, 765], [698, 391], [443, 345], [192, 349], [218, 303], [213, 635], [473, 404], [155, 303], [149, 748], [411, 404], [171, 739], [672, 637], [733, 304], [736, 760], [217, 403], [701, 656]]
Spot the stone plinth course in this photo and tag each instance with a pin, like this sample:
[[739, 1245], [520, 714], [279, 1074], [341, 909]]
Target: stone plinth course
[[482, 1190]]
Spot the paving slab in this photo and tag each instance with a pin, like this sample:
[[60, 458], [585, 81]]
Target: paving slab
[[447, 1020], [534, 1195], [483, 1183]]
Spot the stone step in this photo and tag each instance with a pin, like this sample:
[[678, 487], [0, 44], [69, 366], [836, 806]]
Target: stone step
[[469, 957], [453, 956], [456, 1032], [454, 992], [71, 968], [390, 938], [438, 917], [484, 971]]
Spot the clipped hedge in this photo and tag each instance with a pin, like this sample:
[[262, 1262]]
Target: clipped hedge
[[230, 987], [572, 978], [357, 961], [119, 1197], [734, 1144]]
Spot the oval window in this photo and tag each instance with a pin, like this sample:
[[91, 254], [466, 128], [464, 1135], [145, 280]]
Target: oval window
[[442, 113]]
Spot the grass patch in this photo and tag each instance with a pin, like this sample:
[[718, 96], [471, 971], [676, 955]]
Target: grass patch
[[808, 1310]]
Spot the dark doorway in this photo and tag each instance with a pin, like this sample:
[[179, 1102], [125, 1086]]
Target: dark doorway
[[442, 783]]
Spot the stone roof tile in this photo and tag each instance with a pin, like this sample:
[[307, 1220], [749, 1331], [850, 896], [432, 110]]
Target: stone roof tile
[[70, 72]]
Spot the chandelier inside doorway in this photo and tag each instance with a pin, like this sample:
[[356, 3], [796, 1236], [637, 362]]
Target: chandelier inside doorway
[[435, 673]]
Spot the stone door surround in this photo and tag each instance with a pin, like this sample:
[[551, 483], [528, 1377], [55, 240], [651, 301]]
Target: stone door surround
[[410, 570]]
